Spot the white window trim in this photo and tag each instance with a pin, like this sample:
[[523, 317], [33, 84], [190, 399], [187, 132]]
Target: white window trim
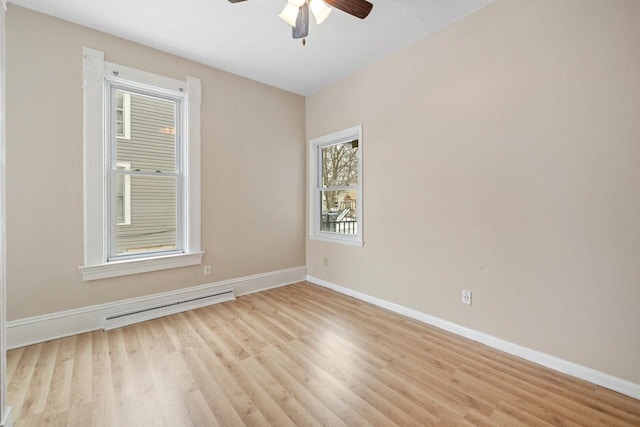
[[315, 186], [96, 202]]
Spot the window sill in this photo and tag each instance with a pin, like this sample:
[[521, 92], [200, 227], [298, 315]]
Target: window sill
[[340, 240], [135, 266]]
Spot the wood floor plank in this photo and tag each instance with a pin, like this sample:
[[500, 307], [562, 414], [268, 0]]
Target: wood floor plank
[[103, 406], [311, 378], [20, 376], [298, 355], [164, 376], [252, 341], [36, 398], [13, 358], [479, 419], [141, 378], [59, 393], [401, 409], [219, 368], [230, 354], [485, 384], [195, 390], [126, 398], [54, 419], [346, 357], [325, 415], [81, 378], [280, 395], [79, 415]]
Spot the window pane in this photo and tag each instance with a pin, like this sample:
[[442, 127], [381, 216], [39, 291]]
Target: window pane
[[119, 184], [119, 123], [339, 212], [120, 208], [340, 164], [153, 216], [152, 143], [119, 100], [120, 112]]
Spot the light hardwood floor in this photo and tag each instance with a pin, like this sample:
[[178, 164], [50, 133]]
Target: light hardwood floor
[[299, 355]]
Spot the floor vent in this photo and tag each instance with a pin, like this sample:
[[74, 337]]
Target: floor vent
[[142, 314]]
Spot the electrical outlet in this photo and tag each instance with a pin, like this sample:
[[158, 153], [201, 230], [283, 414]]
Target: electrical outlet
[[207, 270], [466, 297], [326, 261]]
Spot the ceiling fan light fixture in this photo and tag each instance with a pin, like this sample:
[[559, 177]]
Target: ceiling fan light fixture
[[290, 13], [320, 10], [296, 12]]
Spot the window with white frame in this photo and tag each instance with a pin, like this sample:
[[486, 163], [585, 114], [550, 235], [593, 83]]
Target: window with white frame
[[335, 201], [142, 170]]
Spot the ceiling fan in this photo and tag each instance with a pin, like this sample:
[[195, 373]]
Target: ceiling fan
[[296, 12]]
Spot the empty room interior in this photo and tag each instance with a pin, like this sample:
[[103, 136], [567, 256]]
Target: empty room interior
[[385, 213]]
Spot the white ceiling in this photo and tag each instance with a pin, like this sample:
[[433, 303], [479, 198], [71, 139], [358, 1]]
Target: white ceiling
[[249, 39]]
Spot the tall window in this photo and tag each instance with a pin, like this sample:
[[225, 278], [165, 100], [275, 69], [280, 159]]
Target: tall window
[[150, 162], [336, 187], [142, 171]]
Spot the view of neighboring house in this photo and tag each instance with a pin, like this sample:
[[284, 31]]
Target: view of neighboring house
[[145, 206]]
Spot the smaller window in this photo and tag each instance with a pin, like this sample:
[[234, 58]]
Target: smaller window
[[123, 115], [335, 205], [123, 194]]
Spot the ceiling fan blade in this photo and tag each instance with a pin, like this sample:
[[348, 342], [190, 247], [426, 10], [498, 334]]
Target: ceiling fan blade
[[235, 1], [301, 30], [358, 8]]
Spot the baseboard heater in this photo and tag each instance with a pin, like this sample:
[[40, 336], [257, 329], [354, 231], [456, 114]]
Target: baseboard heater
[[141, 314]]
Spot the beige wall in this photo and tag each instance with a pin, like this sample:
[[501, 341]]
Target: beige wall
[[501, 155], [253, 170]]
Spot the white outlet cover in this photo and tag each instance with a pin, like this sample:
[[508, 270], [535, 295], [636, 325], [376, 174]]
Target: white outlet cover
[[466, 297]]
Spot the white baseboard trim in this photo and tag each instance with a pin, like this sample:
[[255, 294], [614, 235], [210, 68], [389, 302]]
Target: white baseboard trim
[[7, 421], [578, 371], [61, 324]]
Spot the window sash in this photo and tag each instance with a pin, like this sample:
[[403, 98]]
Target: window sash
[[113, 85]]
